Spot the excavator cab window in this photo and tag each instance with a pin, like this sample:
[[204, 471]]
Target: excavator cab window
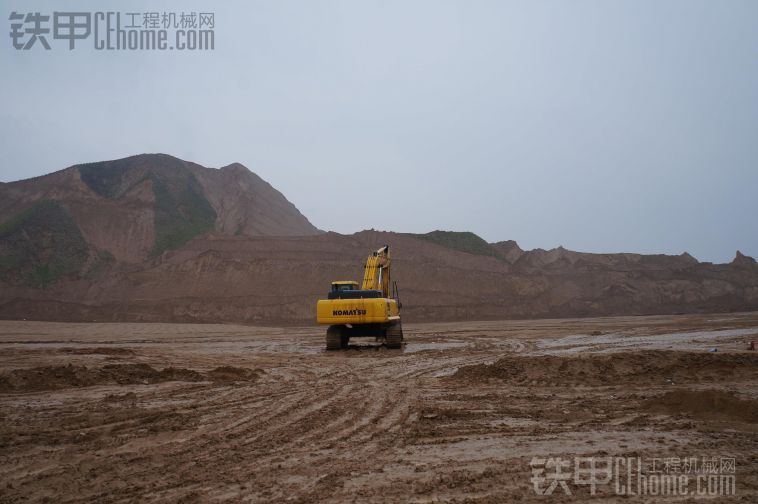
[[342, 287], [350, 290]]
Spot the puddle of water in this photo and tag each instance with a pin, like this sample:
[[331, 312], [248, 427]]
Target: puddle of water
[[307, 348], [501, 447], [516, 422], [418, 347], [445, 372], [613, 341]]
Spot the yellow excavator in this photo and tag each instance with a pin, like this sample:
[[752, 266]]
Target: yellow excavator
[[371, 311]]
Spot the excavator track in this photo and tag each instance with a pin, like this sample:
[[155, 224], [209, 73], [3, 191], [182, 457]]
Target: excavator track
[[334, 339], [394, 337]]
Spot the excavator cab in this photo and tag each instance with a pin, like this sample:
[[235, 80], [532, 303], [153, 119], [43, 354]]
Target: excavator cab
[[350, 290], [343, 286]]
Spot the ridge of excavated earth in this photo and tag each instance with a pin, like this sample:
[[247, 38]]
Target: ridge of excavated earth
[[155, 238]]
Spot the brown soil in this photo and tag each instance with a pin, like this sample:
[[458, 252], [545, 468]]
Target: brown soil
[[98, 350], [642, 367], [56, 377], [198, 413], [711, 404]]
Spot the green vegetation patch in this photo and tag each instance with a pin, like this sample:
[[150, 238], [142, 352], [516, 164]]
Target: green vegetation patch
[[106, 178], [181, 209], [40, 245], [464, 241]]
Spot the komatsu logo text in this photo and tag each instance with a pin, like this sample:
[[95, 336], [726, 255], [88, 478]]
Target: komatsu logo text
[[348, 312]]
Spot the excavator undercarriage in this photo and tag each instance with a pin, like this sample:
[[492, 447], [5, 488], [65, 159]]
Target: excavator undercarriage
[[338, 336]]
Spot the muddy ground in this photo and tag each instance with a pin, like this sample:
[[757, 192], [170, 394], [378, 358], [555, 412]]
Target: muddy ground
[[466, 412]]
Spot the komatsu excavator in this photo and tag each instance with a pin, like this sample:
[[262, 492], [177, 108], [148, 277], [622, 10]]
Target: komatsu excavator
[[371, 311]]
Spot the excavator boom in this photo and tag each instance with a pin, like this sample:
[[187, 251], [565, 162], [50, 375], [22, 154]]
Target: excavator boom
[[376, 272]]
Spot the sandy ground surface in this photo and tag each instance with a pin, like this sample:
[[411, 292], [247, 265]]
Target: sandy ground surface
[[464, 412]]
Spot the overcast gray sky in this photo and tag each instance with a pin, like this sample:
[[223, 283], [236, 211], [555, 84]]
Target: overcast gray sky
[[602, 126]]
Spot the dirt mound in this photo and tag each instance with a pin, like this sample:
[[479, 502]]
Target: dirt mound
[[97, 351], [129, 397], [707, 404], [180, 374], [57, 377], [232, 374], [653, 366]]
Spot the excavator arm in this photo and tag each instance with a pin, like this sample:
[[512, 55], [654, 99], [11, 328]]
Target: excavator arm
[[376, 272]]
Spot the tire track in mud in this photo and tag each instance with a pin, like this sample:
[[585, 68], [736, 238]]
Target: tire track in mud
[[338, 408], [210, 449], [255, 406], [289, 423], [373, 403], [371, 409], [245, 413], [392, 416], [359, 399]]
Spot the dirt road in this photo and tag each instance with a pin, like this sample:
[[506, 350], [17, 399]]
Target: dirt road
[[465, 412]]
